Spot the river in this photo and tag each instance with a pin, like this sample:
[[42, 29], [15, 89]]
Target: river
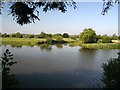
[[59, 66]]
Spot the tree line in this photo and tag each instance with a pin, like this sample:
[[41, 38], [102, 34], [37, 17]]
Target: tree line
[[87, 36]]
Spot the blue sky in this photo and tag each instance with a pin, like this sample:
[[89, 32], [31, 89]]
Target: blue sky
[[86, 15]]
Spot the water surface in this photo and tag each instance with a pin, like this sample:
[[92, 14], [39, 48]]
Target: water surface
[[59, 66]]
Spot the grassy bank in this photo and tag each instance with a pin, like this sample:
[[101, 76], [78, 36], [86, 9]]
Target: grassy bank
[[22, 41], [30, 41], [71, 42], [101, 46]]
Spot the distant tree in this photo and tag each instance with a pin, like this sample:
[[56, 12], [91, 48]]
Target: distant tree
[[56, 35], [31, 36], [42, 35], [0, 34], [98, 36], [111, 73], [18, 35], [88, 36], [114, 37], [28, 36], [13, 35], [5, 35], [106, 39], [74, 36], [119, 37], [59, 38], [65, 35], [49, 40]]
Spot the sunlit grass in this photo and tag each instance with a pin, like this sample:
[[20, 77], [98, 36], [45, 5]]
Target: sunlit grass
[[101, 46]]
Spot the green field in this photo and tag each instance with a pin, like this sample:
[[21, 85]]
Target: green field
[[101, 46], [71, 42], [29, 41]]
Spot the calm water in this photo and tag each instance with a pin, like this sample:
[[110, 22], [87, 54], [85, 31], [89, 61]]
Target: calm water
[[58, 67]]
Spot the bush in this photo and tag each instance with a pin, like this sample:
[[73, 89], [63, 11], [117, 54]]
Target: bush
[[88, 36], [111, 73], [8, 80], [106, 39], [65, 35]]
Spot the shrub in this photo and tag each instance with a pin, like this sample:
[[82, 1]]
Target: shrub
[[106, 39], [111, 73]]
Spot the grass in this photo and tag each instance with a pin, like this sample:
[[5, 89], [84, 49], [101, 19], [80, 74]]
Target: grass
[[22, 41], [29, 41], [101, 46], [36, 41], [69, 40]]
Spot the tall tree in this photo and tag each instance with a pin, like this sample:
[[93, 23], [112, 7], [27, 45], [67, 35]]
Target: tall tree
[[88, 36]]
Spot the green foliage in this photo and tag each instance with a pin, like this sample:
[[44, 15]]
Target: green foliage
[[118, 37], [88, 36], [59, 38], [28, 36], [55, 36], [41, 35], [74, 37], [101, 46], [18, 35], [8, 80], [111, 77], [114, 37], [5, 35], [28, 12], [65, 35], [49, 40], [13, 35], [106, 39], [0, 34]]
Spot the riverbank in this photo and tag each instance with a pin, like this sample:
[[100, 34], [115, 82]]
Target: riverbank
[[101, 46], [33, 41], [70, 42]]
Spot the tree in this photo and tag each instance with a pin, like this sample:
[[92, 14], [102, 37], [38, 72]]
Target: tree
[[107, 4], [119, 37], [75, 37], [0, 34], [5, 35], [111, 74], [18, 35], [13, 35], [28, 35], [8, 80], [42, 35], [56, 35], [114, 37], [27, 12], [88, 36], [106, 39], [65, 35], [59, 38]]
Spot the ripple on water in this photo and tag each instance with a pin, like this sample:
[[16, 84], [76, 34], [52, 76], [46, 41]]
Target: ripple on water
[[70, 79]]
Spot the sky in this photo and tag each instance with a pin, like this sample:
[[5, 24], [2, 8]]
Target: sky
[[74, 21]]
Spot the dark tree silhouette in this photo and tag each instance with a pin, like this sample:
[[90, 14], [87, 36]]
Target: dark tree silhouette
[[107, 4], [8, 80], [27, 12], [111, 73]]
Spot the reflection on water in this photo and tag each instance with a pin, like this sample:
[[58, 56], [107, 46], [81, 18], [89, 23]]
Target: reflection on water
[[50, 66]]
